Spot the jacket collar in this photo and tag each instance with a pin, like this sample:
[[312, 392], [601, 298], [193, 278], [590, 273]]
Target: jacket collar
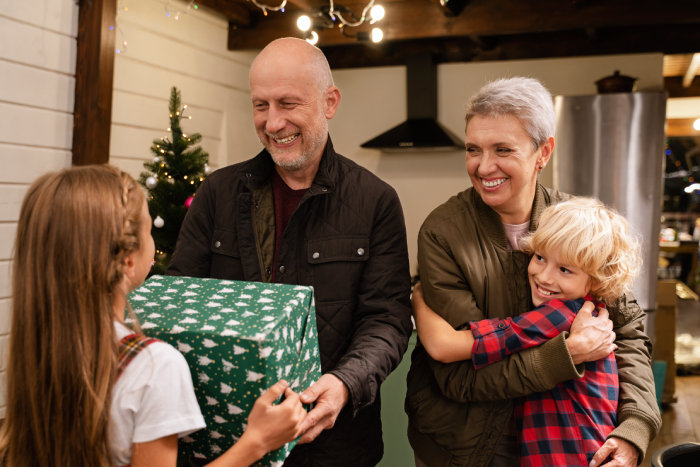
[[257, 171], [492, 222]]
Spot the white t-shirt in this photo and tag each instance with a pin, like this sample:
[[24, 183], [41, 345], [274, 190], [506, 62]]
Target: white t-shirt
[[153, 398]]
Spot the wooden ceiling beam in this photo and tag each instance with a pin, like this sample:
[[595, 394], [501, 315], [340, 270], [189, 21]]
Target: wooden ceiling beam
[[667, 39], [691, 71], [236, 13], [418, 19], [674, 86]]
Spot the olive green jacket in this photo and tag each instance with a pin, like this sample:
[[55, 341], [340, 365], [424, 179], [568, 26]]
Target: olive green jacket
[[457, 414]]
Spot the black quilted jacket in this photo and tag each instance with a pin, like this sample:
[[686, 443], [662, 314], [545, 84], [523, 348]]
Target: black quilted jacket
[[347, 239]]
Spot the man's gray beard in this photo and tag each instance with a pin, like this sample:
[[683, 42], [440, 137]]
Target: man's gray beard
[[315, 140]]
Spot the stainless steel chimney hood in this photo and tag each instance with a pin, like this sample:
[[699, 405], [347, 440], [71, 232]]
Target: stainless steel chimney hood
[[421, 131]]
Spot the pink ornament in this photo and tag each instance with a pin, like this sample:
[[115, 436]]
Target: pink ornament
[[188, 202]]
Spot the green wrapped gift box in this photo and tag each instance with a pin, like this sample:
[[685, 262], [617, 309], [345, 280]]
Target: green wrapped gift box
[[238, 338]]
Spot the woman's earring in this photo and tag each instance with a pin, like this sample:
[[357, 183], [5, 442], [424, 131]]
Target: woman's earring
[[541, 167]]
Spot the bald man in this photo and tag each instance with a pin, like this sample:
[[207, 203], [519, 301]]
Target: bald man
[[299, 213]]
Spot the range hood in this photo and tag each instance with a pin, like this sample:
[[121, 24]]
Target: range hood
[[421, 131]]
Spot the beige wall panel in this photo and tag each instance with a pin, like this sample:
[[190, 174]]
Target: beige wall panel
[[188, 60], [374, 100], [5, 279], [36, 127], [133, 167], [22, 164], [134, 143], [192, 29], [7, 240], [37, 47], [142, 78], [239, 138], [152, 113], [5, 316], [3, 395], [11, 197], [59, 16], [35, 87]]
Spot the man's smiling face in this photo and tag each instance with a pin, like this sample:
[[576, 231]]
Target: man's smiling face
[[288, 110]]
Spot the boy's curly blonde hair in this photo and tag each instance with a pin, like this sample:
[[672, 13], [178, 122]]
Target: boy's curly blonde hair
[[588, 235]]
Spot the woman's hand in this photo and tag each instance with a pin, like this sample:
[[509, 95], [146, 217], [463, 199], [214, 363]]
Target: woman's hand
[[623, 454], [591, 338]]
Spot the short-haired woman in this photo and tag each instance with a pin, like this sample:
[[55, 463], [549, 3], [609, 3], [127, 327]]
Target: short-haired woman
[[471, 269]]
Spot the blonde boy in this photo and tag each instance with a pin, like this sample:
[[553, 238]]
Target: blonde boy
[[581, 251]]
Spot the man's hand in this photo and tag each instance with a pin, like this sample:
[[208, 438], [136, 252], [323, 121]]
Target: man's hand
[[623, 454], [591, 338], [330, 395]]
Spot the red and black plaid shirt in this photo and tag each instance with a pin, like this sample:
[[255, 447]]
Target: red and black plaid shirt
[[564, 426]]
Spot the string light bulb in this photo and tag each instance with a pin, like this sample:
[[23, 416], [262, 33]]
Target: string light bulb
[[304, 23], [313, 38], [377, 13], [377, 35], [696, 124]]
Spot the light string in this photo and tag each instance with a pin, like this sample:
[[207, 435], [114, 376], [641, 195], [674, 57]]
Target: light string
[[265, 7]]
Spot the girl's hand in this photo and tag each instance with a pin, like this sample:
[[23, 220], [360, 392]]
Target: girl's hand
[[275, 425]]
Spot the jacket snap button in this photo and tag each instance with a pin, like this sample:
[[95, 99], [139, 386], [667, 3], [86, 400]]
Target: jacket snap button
[[248, 175], [360, 251], [282, 269], [324, 189], [256, 205], [268, 271], [316, 255], [217, 244]]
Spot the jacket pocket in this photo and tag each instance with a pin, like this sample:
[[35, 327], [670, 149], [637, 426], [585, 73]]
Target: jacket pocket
[[223, 242], [337, 263], [226, 257], [338, 248]]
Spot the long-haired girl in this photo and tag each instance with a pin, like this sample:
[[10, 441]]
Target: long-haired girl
[[78, 394]]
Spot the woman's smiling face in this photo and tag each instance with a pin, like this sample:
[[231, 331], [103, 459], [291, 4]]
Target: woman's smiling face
[[502, 164], [550, 279]]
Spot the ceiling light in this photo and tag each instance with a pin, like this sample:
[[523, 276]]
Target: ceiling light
[[312, 38], [304, 23], [377, 13], [696, 125], [377, 35]]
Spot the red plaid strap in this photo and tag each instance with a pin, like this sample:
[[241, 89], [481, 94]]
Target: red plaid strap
[[129, 347]]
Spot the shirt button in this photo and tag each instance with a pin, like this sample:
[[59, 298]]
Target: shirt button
[[501, 326], [282, 269], [360, 251], [268, 271], [316, 255], [217, 244]]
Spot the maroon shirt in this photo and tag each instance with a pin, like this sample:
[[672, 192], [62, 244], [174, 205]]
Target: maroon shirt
[[286, 201]]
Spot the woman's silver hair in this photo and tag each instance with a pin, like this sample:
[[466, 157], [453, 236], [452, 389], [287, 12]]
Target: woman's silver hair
[[524, 98]]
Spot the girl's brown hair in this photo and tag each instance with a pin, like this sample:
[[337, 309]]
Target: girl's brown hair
[[75, 230]]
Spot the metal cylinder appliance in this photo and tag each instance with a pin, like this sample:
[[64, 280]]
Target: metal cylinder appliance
[[610, 146]]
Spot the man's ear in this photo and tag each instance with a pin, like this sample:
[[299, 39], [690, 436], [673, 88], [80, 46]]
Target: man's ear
[[331, 101]]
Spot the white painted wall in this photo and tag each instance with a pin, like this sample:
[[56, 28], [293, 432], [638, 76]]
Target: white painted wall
[[683, 107], [190, 53], [37, 84], [374, 100]]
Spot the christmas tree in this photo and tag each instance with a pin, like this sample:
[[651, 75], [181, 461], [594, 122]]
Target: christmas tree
[[172, 179]]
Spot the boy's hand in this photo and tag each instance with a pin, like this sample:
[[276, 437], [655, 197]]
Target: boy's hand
[[591, 338], [623, 454], [274, 425]]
